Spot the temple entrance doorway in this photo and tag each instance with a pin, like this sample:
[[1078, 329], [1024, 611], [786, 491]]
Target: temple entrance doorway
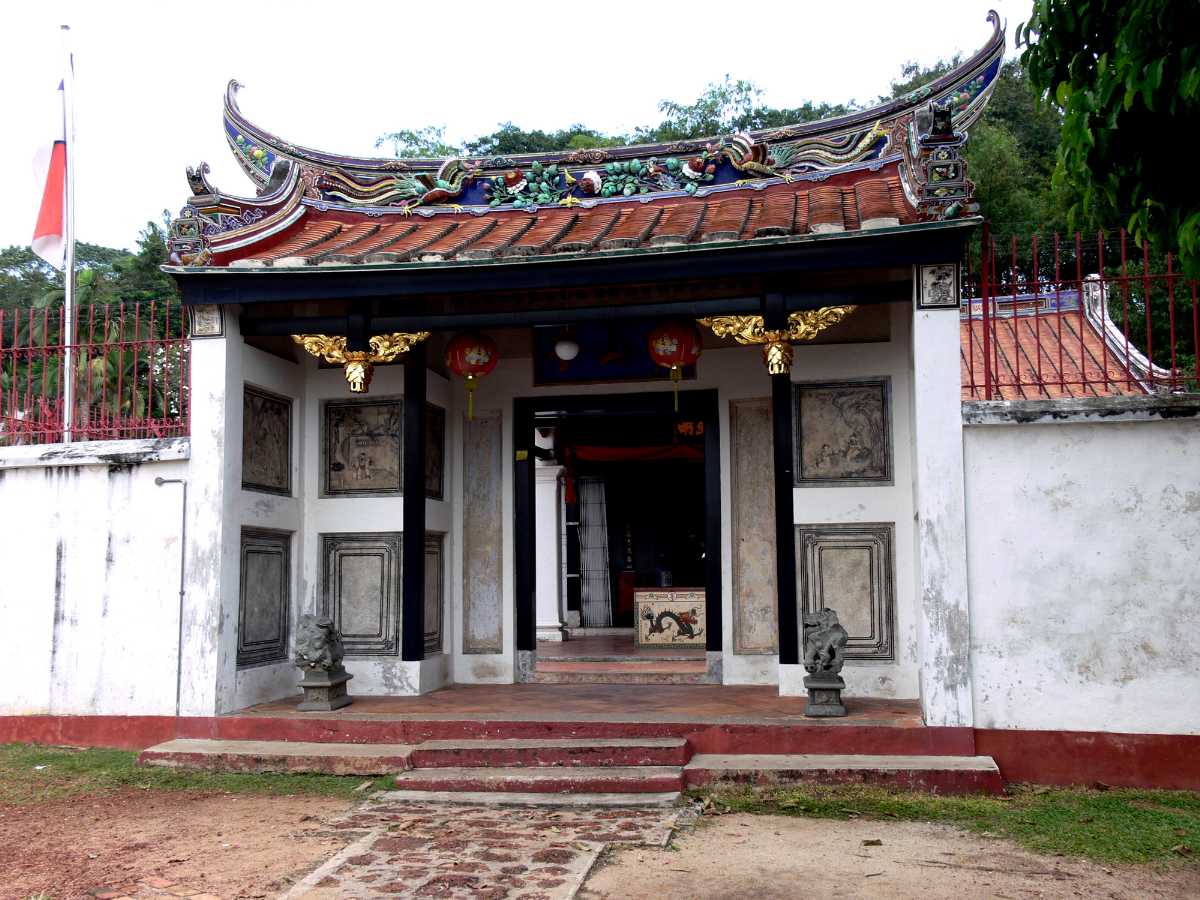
[[623, 530]]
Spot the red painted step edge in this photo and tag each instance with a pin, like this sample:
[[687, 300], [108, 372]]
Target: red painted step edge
[[565, 783], [543, 757], [1169, 761]]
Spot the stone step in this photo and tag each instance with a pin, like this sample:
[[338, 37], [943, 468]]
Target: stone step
[[939, 774], [279, 756], [544, 753], [650, 666], [639, 671], [517, 798], [557, 780]]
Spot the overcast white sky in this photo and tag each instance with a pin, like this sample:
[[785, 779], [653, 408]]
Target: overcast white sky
[[150, 76]]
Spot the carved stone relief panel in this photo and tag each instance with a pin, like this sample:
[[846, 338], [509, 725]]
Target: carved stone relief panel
[[850, 569], [937, 286], [205, 321], [361, 447], [435, 452], [483, 535], [843, 433], [435, 594], [266, 441], [361, 590], [264, 596], [754, 602]]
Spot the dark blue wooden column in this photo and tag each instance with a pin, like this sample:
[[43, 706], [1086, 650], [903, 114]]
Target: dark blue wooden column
[[775, 317], [412, 600]]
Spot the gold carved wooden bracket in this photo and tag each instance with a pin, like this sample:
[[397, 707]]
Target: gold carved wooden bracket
[[777, 342], [359, 365]]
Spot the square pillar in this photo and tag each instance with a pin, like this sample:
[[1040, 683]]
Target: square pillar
[[548, 556], [412, 600], [208, 630], [943, 610]]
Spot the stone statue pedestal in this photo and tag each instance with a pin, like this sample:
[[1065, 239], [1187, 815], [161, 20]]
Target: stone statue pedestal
[[824, 695], [324, 690]]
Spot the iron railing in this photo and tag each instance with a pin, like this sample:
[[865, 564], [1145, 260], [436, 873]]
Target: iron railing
[[130, 373], [1053, 317]]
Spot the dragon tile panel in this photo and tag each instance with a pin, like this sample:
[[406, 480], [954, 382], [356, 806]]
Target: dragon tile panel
[[669, 618]]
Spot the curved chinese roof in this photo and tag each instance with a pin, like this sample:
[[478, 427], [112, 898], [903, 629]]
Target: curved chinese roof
[[895, 164]]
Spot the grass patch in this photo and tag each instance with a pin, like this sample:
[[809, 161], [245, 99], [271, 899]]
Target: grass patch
[[1113, 826], [31, 774]]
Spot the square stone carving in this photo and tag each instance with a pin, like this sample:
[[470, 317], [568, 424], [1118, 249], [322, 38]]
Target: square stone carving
[[266, 441], [205, 321], [435, 594], [362, 447], [843, 433], [361, 590], [937, 286], [669, 618], [264, 597], [849, 568], [435, 452]]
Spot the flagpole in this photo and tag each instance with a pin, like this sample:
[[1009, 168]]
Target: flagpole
[[68, 376]]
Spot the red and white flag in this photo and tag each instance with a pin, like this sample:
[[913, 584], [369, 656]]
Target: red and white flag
[[50, 171]]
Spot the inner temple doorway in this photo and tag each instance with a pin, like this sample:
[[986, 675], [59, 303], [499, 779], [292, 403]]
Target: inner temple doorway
[[626, 536]]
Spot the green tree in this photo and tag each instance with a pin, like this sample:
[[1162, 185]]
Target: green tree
[[729, 106], [418, 143], [1125, 75]]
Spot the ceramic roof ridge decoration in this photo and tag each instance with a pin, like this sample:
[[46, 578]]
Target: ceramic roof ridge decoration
[[901, 161]]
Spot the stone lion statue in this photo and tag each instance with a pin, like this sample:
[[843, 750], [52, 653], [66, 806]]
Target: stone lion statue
[[824, 643], [318, 644]]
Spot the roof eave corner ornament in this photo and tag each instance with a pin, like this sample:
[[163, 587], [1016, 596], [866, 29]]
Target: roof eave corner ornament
[[359, 365], [777, 342], [187, 244]]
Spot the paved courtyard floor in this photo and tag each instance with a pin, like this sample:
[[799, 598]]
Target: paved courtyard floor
[[151, 844]]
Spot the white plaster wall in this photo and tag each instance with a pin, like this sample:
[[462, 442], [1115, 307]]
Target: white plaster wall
[[323, 515], [873, 503], [90, 592], [736, 372], [242, 687], [1084, 569]]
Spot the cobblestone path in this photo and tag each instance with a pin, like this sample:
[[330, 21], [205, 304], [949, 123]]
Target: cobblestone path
[[417, 849]]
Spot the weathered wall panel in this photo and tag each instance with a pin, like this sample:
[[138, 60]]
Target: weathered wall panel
[[753, 527], [264, 596], [483, 534], [849, 568], [91, 594], [1083, 541], [361, 590]]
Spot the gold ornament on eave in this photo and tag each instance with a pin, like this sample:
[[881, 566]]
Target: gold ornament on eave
[[777, 342], [359, 365]]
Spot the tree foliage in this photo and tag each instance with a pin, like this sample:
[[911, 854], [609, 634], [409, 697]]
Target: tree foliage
[[1125, 75]]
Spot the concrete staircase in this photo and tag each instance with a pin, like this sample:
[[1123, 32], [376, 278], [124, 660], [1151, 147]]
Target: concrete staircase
[[633, 770]]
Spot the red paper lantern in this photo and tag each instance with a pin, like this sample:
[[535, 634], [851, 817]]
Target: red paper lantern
[[674, 345], [471, 355]]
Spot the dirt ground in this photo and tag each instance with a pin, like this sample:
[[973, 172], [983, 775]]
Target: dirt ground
[[224, 844], [769, 857]]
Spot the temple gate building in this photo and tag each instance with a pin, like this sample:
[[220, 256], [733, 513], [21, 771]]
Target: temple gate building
[[608, 416]]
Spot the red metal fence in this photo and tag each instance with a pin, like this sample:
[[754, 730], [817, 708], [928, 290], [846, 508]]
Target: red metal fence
[[130, 373], [1081, 316]]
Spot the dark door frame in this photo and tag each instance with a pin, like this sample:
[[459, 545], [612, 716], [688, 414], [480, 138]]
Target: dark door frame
[[701, 404]]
